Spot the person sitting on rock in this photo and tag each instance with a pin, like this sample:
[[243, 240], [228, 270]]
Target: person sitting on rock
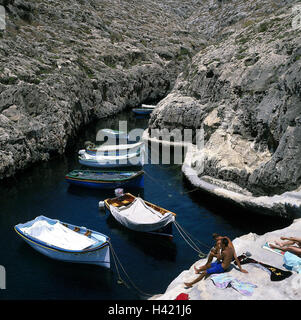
[[224, 258], [293, 245], [217, 248]]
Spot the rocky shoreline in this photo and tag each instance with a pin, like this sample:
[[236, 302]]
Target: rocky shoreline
[[286, 205], [287, 289]]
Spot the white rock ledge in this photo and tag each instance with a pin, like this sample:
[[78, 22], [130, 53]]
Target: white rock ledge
[[286, 205], [287, 289]]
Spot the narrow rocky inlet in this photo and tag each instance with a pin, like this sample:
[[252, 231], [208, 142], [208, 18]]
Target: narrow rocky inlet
[[66, 63], [230, 69]]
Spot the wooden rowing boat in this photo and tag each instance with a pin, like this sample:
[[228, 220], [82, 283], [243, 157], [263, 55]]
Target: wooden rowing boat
[[66, 242], [105, 179], [140, 215]]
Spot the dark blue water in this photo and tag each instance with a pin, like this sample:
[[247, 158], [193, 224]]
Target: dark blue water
[[150, 262]]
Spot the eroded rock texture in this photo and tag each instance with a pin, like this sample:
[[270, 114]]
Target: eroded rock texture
[[244, 90], [65, 63]]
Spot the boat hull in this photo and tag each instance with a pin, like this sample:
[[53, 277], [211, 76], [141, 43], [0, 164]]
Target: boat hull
[[117, 164], [142, 111], [99, 257], [135, 182]]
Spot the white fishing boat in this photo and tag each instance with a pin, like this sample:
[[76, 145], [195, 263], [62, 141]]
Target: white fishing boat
[[127, 160], [119, 149], [139, 215], [148, 106], [114, 156], [110, 133], [66, 242]]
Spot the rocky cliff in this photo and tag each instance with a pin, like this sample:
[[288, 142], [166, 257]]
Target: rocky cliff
[[244, 90], [65, 63]]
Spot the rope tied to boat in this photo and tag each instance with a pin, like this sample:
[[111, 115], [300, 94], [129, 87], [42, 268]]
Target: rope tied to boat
[[122, 281], [188, 239]]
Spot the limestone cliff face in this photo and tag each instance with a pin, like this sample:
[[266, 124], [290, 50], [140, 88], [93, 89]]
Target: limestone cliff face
[[65, 63], [244, 89]]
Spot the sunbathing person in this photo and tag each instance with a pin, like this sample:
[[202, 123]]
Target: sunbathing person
[[224, 257], [217, 248], [288, 246]]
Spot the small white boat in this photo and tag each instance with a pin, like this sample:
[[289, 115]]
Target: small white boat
[[148, 106], [139, 215], [110, 133], [66, 242], [128, 156], [119, 149], [127, 160]]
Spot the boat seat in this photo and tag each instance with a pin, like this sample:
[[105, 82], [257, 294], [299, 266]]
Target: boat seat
[[88, 233], [76, 229]]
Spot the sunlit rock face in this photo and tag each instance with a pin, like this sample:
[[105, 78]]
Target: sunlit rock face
[[244, 90]]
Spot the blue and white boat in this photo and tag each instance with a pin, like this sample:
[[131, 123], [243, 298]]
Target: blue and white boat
[[66, 242], [115, 150], [117, 156], [105, 179]]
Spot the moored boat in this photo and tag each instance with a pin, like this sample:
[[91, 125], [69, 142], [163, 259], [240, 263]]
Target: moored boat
[[110, 133], [133, 159], [116, 150], [139, 215], [65, 242], [105, 179], [142, 111], [148, 106]]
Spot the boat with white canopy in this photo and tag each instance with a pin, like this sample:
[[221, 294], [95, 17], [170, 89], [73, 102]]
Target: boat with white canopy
[[65, 242], [139, 215]]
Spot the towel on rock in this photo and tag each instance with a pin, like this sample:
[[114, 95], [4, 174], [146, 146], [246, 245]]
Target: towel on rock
[[292, 262], [223, 281]]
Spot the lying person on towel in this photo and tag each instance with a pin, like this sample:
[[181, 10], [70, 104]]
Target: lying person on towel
[[288, 246], [224, 258]]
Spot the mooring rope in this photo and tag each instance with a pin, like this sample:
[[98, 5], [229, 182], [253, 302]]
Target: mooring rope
[[192, 244], [120, 280]]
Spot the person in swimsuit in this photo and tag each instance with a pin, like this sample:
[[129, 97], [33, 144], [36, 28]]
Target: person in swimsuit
[[293, 245], [224, 258], [217, 248]]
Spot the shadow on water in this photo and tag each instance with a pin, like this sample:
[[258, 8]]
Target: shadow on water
[[237, 216], [100, 194], [145, 242]]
